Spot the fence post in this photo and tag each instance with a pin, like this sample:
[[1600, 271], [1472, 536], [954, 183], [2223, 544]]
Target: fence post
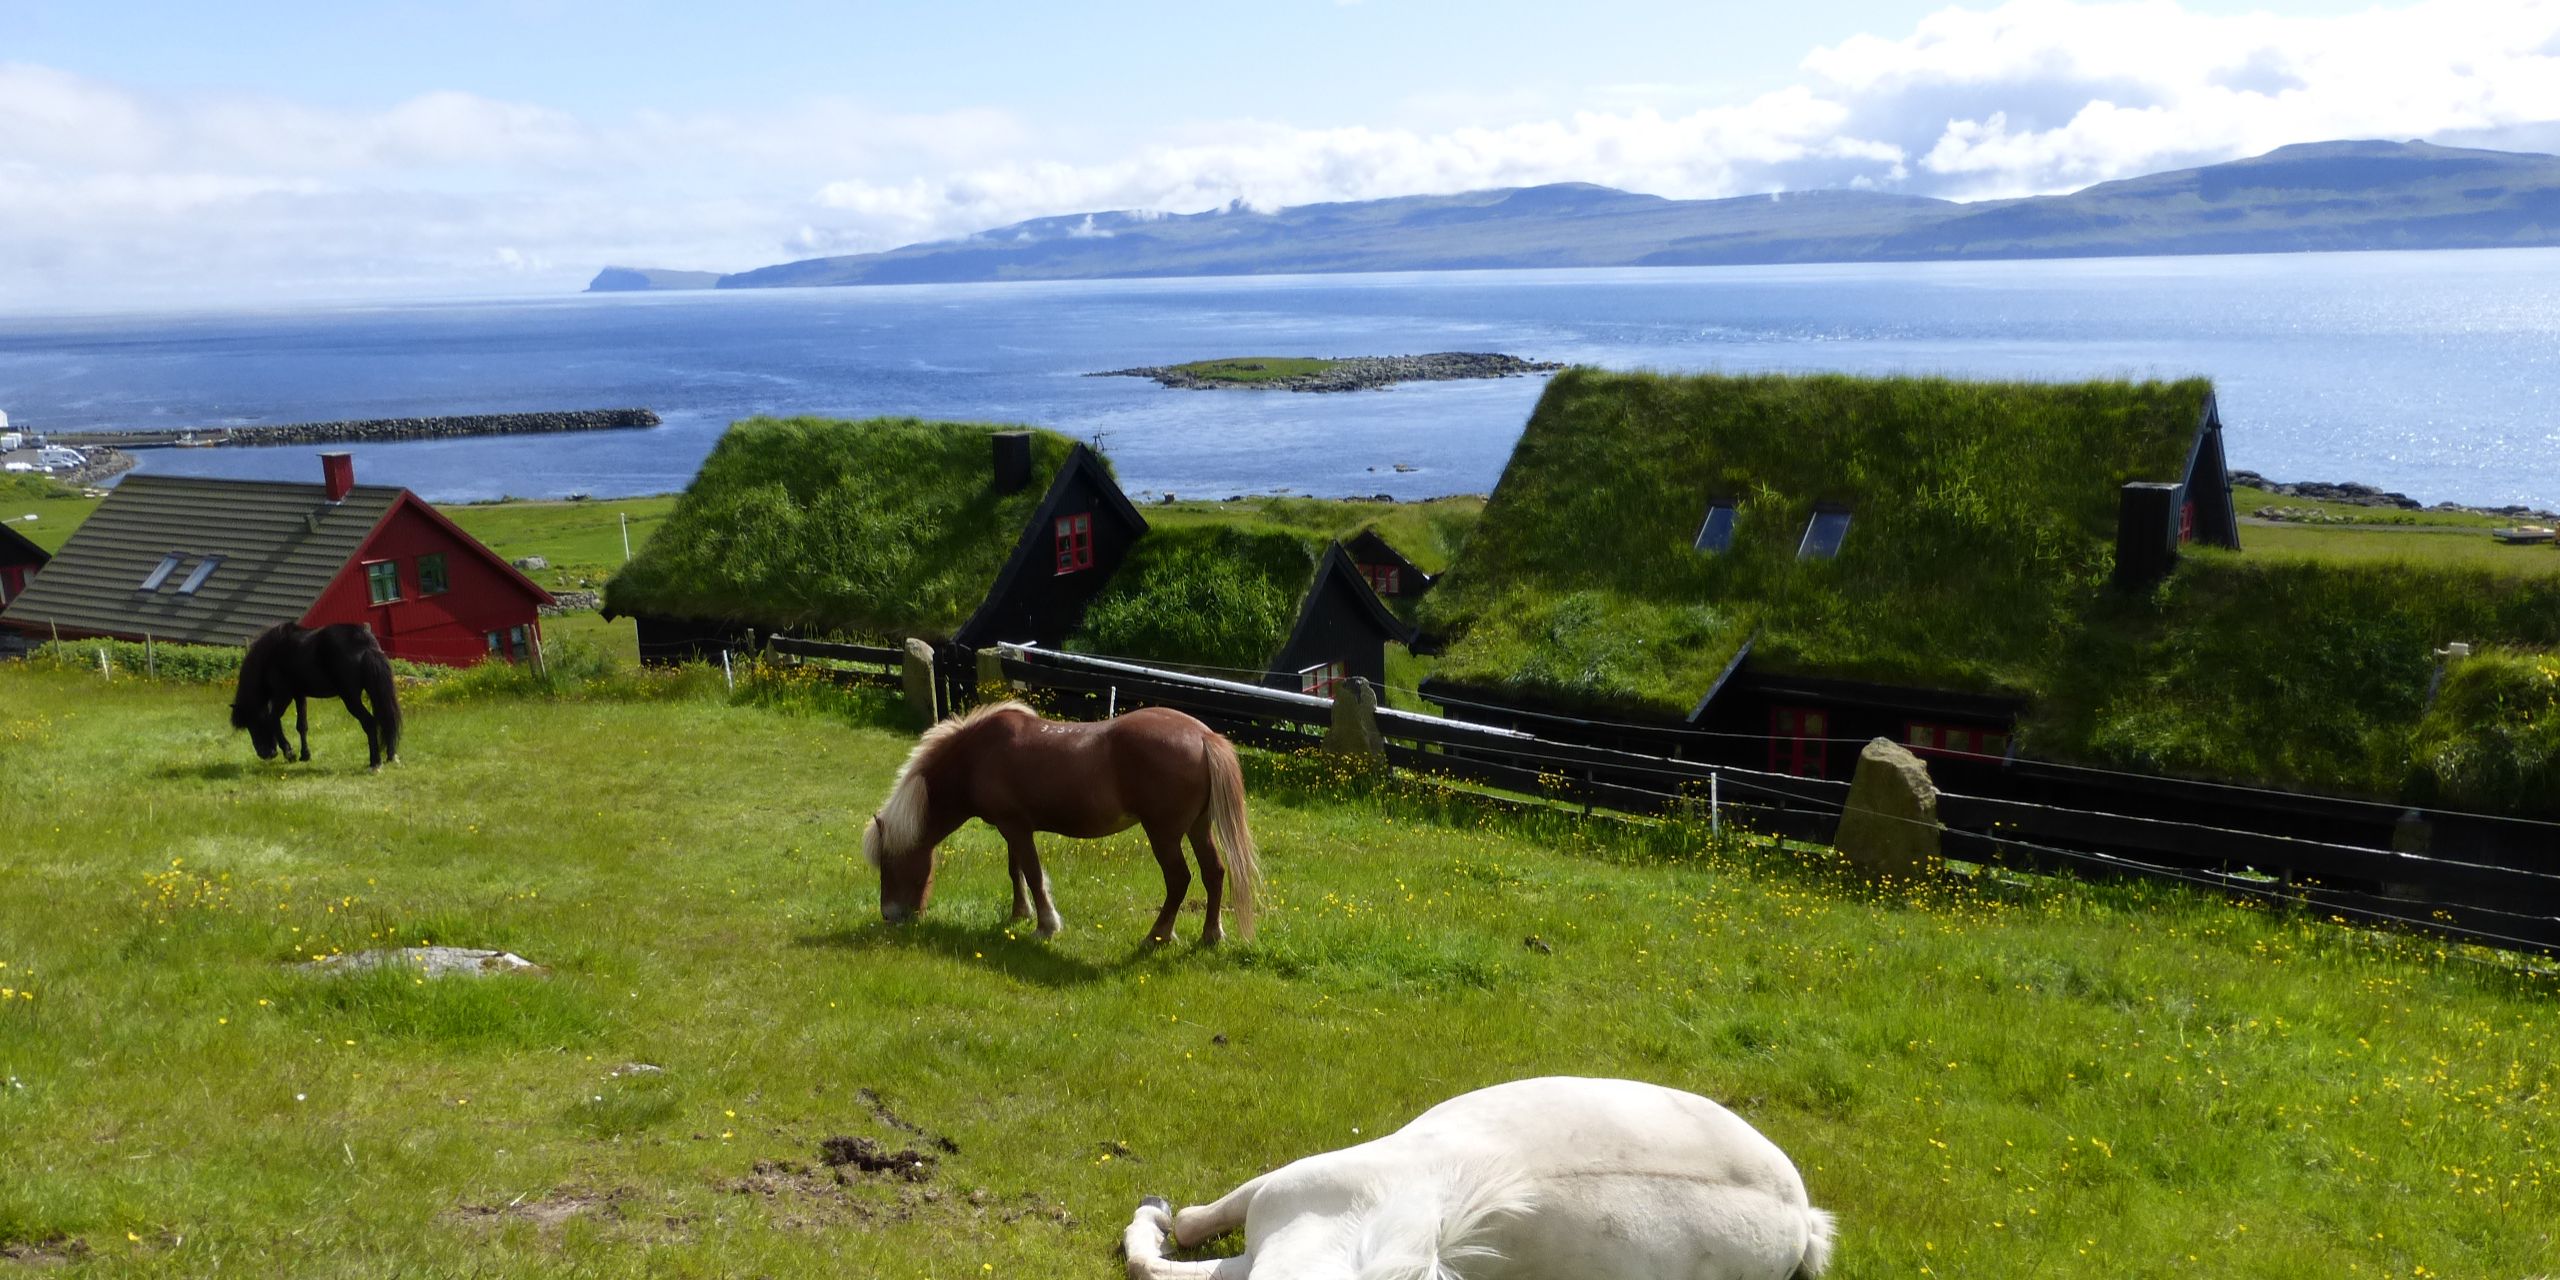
[[1889, 827], [1715, 804], [150, 657], [916, 677], [727, 676], [991, 681], [104, 672], [1354, 731]]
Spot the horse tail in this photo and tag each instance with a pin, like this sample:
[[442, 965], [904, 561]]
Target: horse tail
[[1817, 1245], [1227, 825], [374, 668]]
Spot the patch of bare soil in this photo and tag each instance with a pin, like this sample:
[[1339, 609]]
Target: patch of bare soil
[[804, 1196], [862, 1155], [53, 1251]]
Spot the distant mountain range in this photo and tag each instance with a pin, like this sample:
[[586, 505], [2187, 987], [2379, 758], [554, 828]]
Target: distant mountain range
[[2321, 195]]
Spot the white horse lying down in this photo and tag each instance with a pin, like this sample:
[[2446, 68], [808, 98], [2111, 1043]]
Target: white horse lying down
[[1553, 1179]]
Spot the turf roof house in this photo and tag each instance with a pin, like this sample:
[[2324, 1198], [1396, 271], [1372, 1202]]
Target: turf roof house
[[1387, 570], [204, 561], [878, 530], [1804, 563], [1241, 599]]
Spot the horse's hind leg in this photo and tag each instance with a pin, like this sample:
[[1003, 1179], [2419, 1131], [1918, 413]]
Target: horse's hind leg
[[301, 725], [1031, 879], [1177, 881], [1213, 879], [372, 728]]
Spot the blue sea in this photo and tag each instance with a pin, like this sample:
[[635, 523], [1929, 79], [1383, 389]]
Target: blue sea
[[2434, 373]]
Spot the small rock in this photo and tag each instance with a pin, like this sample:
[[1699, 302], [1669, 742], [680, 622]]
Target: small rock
[[430, 962]]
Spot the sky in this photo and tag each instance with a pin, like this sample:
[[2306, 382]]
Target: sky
[[157, 152]]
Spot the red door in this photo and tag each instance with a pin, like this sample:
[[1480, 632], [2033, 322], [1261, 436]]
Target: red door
[[1798, 741]]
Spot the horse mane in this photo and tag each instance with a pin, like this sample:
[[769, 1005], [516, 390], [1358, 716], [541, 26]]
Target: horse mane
[[902, 814], [255, 657], [1428, 1228]]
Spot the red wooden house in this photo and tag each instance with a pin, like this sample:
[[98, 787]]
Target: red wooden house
[[203, 561], [19, 560]]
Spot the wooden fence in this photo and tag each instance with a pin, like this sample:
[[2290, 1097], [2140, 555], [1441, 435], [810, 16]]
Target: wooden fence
[[2502, 906]]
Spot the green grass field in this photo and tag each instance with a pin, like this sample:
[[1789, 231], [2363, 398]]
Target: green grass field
[[2438, 547], [58, 509], [1995, 1079]]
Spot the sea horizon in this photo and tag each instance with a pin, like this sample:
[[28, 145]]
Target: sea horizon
[[2431, 372]]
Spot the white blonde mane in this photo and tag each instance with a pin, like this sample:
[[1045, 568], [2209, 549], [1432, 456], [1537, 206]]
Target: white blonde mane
[[1429, 1228], [901, 816]]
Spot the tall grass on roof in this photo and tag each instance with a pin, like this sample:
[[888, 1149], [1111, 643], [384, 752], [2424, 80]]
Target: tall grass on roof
[[1203, 595], [1983, 520], [2316, 675], [882, 528]]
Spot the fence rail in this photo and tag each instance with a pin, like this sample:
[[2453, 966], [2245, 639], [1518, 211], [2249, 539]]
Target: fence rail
[[2498, 905]]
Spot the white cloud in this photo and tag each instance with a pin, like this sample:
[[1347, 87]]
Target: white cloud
[[106, 190]]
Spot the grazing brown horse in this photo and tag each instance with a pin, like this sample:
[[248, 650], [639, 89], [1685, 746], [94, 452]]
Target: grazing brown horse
[[1155, 768]]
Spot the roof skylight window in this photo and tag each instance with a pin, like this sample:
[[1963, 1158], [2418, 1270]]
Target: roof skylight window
[[195, 578], [1823, 535], [1715, 537], [168, 565]]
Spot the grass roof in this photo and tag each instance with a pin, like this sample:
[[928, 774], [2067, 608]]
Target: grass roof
[[1204, 594], [882, 528], [1982, 524], [2316, 675]]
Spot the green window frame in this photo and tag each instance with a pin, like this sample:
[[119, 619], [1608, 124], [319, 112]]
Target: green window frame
[[431, 575], [382, 581]]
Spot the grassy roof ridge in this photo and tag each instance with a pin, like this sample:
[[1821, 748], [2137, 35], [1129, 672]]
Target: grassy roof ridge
[[1581, 579], [880, 527]]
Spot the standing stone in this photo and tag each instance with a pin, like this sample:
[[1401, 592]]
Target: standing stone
[[992, 686], [1354, 731], [1890, 826], [917, 676]]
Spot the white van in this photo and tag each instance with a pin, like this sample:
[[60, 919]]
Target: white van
[[57, 458], [12, 441]]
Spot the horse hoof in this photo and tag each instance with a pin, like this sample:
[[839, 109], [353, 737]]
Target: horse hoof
[[1157, 1203]]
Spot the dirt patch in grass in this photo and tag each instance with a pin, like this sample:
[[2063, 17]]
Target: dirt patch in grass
[[862, 1155], [52, 1251]]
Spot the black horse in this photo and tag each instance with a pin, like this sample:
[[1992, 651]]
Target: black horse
[[289, 662]]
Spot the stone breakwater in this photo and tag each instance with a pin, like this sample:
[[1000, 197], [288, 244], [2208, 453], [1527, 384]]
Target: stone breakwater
[[2349, 493], [377, 430], [1350, 373]]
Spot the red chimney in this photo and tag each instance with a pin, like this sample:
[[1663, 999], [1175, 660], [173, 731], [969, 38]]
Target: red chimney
[[338, 472]]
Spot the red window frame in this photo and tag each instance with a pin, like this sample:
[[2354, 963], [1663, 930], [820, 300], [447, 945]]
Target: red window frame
[[1075, 542], [1384, 579], [1321, 679], [1799, 741]]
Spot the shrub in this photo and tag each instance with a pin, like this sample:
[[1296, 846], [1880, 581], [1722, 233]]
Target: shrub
[[183, 663], [2492, 740]]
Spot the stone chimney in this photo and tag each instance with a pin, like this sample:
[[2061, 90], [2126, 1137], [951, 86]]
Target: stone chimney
[[1012, 460], [338, 474]]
